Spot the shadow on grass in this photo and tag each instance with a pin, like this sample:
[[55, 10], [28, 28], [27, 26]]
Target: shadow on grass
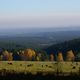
[[38, 77]]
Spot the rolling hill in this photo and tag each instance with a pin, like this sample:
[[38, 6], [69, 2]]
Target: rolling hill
[[37, 40], [64, 47]]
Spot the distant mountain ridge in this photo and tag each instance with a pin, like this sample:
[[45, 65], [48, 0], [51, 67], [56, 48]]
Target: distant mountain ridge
[[35, 30]]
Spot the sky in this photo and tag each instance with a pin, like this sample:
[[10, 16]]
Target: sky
[[39, 13]]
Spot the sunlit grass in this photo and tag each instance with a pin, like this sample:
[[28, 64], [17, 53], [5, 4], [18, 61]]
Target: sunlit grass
[[36, 66]]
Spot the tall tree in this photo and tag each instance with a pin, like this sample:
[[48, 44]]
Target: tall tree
[[51, 57], [7, 56], [29, 54], [45, 56], [70, 56], [60, 56]]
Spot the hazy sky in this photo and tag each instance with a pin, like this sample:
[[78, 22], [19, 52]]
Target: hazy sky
[[39, 13]]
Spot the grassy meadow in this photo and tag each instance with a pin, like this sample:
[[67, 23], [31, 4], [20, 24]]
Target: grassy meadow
[[35, 67]]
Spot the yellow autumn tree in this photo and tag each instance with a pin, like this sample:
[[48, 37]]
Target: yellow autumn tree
[[60, 57], [37, 58], [70, 56], [51, 57], [7, 56], [10, 57]]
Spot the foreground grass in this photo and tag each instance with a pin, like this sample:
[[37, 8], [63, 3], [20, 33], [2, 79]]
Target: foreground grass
[[38, 77]]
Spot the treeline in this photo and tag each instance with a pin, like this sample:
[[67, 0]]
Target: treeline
[[32, 55]]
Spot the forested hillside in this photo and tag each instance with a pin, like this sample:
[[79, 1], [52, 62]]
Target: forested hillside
[[68, 50], [63, 47]]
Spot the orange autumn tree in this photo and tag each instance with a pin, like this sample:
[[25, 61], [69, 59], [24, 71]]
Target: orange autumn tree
[[60, 57], [29, 54], [70, 56]]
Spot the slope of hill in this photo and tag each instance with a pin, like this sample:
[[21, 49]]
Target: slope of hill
[[64, 47]]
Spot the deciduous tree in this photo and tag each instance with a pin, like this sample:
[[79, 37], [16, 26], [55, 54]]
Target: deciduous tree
[[70, 56], [60, 56]]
